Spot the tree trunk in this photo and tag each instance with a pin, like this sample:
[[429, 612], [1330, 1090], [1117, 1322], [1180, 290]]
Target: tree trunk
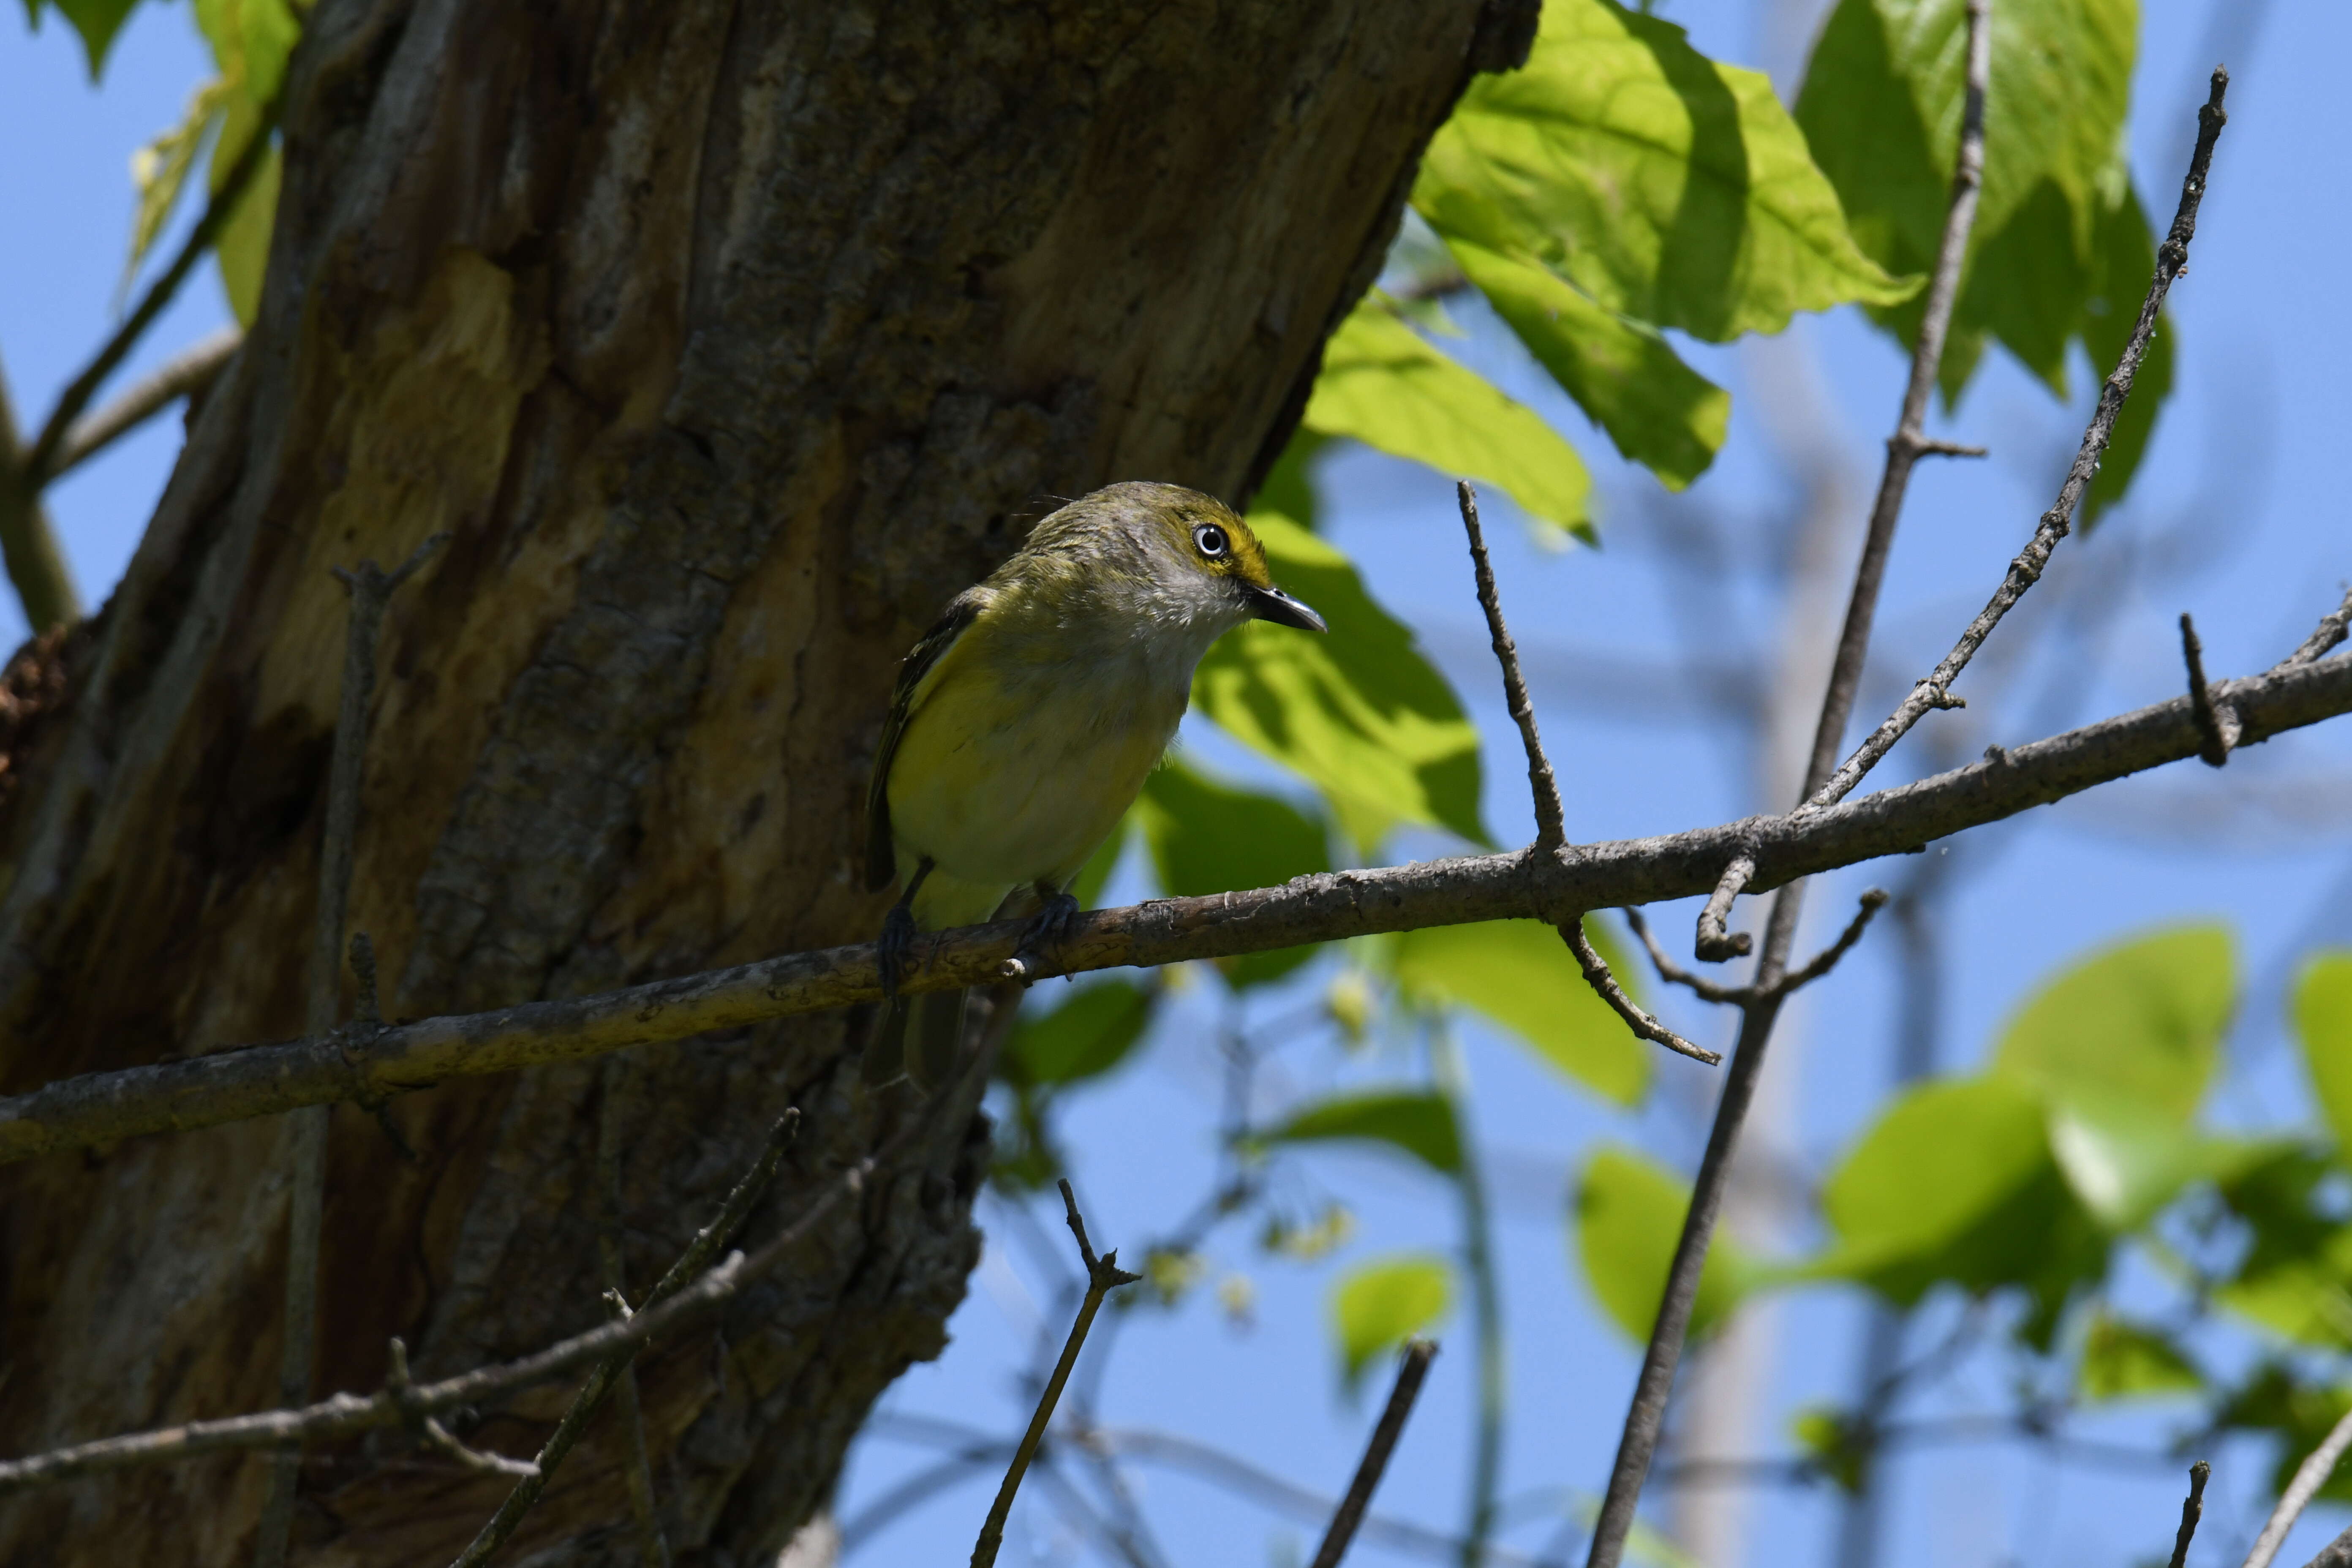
[[729, 342]]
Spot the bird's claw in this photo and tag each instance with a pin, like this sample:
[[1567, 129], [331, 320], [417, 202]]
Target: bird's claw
[[894, 947], [1052, 925]]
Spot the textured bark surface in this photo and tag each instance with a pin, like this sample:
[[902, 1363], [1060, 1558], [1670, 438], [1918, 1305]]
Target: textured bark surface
[[729, 342]]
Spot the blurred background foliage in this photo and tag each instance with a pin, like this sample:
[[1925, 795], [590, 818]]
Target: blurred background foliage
[[1622, 192]]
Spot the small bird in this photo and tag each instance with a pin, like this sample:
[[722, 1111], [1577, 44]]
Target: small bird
[[1025, 722]]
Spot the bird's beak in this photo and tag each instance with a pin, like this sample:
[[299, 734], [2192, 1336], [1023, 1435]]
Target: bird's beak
[[1274, 604]]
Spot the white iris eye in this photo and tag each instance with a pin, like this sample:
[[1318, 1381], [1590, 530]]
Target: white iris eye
[[1210, 540]]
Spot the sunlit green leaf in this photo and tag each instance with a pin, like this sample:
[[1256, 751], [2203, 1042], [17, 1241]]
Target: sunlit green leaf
[[1387, 387], [2124, 1361], [1628, 1215], [1520, 975], [1209, 838], [2323, 1024], [243, 247], [1956, 1183], [1359, 713], [2139, 1022], [251, 41], [1419, 1123], [2293, 1272], [97, 22], [1658, 411], [1670, 188], [1377, 1306], [2126, 1161], [1881, 104], [1085, 1036], [160, 169]]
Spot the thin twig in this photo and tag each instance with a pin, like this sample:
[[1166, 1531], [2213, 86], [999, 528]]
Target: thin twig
[[1713, 942], [1827, 959], [210, 1088], [41, 460], [28, 538], [185, 374], [1597, 975], [679, 1281], [306, 1131], [2217, 722], [1103, 1276], [1411, 1370], [2332, 629], [433, 1435], [653, 1551], [2309, 1476], [1552, 823], [2192, 1509], [1645, 1412], [2171, 258], [1674, 973]]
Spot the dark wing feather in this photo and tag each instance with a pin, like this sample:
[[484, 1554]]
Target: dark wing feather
[[881, 857]]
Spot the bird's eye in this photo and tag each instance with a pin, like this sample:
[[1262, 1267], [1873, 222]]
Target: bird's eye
[[1210, 540]]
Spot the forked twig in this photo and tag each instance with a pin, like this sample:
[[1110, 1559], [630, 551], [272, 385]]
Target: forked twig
[[1552, 823], [306, 1130], [584, 1404], [437, 1437], [1103, 1276], [1597, 975], [1411, 1371], [2309, 1476], [1873, 901], [2332, 629]]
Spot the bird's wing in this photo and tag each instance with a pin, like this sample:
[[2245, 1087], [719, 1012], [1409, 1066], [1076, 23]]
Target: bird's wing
[[881, 858]]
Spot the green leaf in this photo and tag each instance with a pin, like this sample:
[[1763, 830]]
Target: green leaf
[[2138, 1023], [2124, 1361], [1384, 385], [1419, 1123], [1520, 975], [2126, 1161], [1657, 410], [1087, 1036], [2298, 1258], [1881, 104], [243, 247], [1377, 1306], [1670, 188], [251, 41], [2323, 1023], [1290, 487], [1956, 1184], [159, 169], [1838, 1444], [1359, 713], [1628, 1214], [2277, 1399], [97, 22], [1209, 838]]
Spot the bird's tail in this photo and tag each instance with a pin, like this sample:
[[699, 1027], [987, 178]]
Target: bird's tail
[[921, 1036]]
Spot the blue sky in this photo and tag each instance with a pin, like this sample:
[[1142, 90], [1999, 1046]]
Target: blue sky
[[2237, 516]]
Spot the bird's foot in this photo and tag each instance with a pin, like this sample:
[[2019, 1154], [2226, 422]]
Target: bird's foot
[[894, 947], [1052, 925]]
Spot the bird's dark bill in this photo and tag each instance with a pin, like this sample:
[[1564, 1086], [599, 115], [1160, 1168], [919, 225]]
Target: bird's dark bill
[[1274, 604]]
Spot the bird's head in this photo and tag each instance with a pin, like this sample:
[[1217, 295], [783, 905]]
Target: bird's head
[[1199, 546]]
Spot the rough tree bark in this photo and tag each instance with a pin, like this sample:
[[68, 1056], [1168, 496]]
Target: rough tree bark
[[729, 341]]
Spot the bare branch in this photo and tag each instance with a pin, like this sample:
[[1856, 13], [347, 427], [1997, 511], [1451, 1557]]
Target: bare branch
[[1927, 449], [612, 1103], [1551, 824], [185, 374], [2171, 258], [2192, 1509], [680, 1305], [2309, 1476], [2337, 1553], [41, 460], [1103, 1276], [1674, 973], [2331, 631], [1827, 959], [204, 1090], [1597, 975], [1411, 1370], [2217, 722], [617, 1360], [433, 1435], [1645, 1412], [306, 1130]]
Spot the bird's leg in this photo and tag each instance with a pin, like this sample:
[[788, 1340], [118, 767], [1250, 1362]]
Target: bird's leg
[[1054, 923], [899, 932]]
